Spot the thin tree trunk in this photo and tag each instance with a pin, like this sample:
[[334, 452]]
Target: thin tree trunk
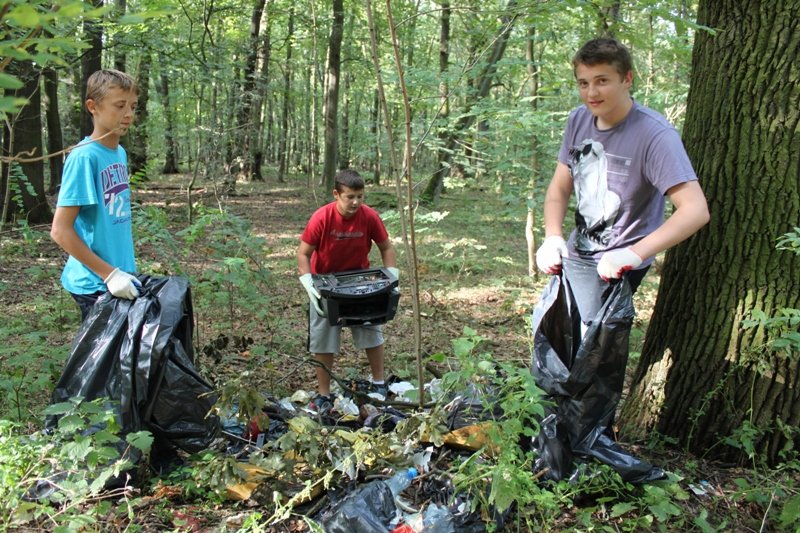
[[55, 142], [136, 141], [283, 156], [330, 109], [246, 119], [91, 62], [170, 159], [530, 220], [482, 86]]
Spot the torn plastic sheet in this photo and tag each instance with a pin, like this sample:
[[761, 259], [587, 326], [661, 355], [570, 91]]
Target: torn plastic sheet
[[580, 328], [138, 353]]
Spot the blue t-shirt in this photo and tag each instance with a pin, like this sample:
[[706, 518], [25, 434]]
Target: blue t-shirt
[[95, 178]]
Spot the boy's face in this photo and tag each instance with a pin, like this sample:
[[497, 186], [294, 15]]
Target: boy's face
[[114, 112], [348, 201], [605, 92]]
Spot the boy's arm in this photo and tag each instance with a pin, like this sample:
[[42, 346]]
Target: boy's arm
[[388, 254], [691, 214], [304, 252], [63, 233], [556, 200]]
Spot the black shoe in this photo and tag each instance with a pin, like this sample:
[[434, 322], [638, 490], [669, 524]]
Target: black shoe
[[321, 405]]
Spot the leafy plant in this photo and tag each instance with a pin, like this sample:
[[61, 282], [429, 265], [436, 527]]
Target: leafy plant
[[50, 477]]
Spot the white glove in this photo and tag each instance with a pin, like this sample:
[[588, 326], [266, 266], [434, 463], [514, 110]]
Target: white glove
[[549, 254], [122, 285], [313, 294], [395, 272], [614, 263]]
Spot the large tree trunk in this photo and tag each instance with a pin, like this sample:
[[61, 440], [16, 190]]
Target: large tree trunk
[[27, 201], [331, 106], [283, 156], [482, 86], [703, 373]]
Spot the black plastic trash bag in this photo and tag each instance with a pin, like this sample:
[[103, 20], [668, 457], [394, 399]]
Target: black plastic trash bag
[[138, 354], [583, 373], [368, 509]]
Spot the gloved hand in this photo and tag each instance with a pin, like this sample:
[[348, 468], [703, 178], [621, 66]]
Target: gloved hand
[[122, 285], [313, 294], [615, 262], [549, 254], [395, 272]]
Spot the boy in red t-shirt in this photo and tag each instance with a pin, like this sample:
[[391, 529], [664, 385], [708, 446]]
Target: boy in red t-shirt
[[338, 238]]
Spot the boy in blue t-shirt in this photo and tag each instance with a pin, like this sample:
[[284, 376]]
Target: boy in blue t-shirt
[[92, 222]]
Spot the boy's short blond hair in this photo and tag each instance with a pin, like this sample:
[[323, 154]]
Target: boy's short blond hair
[[101, 81]]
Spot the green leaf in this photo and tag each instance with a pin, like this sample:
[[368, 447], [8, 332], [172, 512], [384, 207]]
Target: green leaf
[[142, 440], [790, 514], [621, 509], [663, 510], [9, 82], [24, 15]]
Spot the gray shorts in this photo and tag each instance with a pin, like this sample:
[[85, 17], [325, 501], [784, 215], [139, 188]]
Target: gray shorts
[[324, 338]]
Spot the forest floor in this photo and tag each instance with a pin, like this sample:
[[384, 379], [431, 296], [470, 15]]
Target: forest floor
[[473, 273]]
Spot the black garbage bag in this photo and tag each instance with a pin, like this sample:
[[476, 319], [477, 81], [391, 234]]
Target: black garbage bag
[[139, 355], [583, 372], [367, 509]]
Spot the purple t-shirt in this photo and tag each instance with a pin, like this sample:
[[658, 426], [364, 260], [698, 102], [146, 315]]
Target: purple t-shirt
[[621, 176]]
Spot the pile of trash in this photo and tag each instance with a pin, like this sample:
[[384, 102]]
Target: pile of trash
[[412, 497]]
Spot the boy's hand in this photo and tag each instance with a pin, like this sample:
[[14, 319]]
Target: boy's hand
[[615, 262], [122, 285], [549, 254], [313, 294], [395, 272]]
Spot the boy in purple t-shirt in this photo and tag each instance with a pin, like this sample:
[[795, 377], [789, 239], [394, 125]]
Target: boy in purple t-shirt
[[621, 159]]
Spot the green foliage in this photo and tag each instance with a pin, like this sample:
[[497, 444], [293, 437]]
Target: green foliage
[[49, 478], [220, 255]]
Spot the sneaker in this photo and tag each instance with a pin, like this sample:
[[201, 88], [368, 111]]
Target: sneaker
[[321, 404]]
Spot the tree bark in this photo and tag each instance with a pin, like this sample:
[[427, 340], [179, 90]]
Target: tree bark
[[331, 104], [283, 155], [90, 63], [28, 201], [55, 141], [246, 133], [136, 141], [171, 156], [442, 157], [703, 373]]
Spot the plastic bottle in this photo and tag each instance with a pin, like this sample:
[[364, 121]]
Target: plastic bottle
[[402, 479]]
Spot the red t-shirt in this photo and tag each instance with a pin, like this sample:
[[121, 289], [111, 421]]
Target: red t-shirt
[[340, 243]]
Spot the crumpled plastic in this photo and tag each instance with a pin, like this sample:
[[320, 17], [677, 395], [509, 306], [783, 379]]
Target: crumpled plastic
[[581, 328], [139, 354]]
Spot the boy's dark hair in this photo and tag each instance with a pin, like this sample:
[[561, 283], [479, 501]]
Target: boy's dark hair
[[348, 178], [604, 50], [101, 81]]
